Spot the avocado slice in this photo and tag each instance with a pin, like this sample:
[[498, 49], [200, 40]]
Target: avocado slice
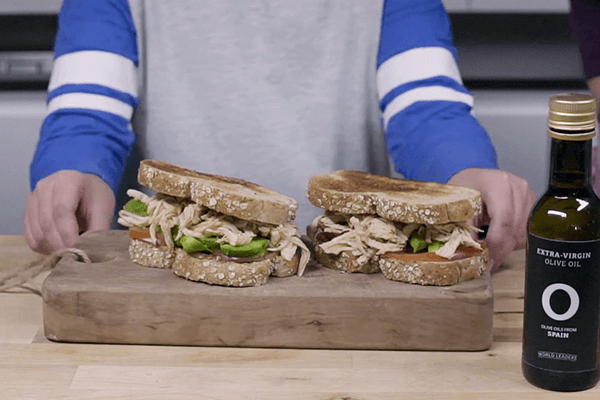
[[194, 245], [257, 247]]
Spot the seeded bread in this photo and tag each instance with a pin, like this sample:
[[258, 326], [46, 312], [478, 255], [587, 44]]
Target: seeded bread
[[436, 273], [353, 192], [214, 270], [344, 261], [227, 195], [283, 268], [149, 255]]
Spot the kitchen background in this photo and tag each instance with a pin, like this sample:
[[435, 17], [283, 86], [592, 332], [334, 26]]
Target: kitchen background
[[513, 55]]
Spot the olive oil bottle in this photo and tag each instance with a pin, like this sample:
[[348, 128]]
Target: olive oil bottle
[[562, 279]]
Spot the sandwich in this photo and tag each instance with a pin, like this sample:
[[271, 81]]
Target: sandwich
[[412, 231], [211, 228]]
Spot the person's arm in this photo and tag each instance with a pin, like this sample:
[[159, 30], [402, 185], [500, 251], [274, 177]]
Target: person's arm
[[92, 92], [430, 131], [86, 136]]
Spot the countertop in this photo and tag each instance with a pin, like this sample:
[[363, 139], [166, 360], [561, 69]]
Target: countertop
[[31, 367]]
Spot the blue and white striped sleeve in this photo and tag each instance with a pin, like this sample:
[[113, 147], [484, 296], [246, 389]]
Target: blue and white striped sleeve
[[430, 131], [92, 93]]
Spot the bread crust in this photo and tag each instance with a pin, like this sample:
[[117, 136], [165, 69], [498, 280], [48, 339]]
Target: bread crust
[[353, 192], [283, 268], [215, 270], [231, 196], [435, 273], [149, 255], [346, 262]]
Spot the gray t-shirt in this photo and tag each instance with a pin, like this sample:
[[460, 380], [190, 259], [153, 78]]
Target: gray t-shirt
[[221, 92]]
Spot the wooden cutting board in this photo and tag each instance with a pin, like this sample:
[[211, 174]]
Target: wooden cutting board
[[113, 300]]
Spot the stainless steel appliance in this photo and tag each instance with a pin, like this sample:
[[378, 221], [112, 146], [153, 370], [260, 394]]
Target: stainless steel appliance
[[513, 55], [27, 30]]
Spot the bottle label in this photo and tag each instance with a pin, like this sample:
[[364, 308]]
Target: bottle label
[[562, 304]]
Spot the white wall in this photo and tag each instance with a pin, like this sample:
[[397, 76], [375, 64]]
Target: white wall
[[21, 116]]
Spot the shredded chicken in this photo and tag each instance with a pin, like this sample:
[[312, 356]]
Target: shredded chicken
[[229, 229], [368, 235], [199, 221], [453, 235], [164, 212], [362, 235], [285, 239]]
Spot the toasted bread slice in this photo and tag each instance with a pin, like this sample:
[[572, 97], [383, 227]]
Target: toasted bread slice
[[353, 192], [149, 255], [397, 267], [344, 262], [215, 270], [230, 196]]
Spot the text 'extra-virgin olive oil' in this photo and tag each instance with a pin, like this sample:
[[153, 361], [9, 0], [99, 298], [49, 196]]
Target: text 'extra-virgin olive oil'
[[562, 275]]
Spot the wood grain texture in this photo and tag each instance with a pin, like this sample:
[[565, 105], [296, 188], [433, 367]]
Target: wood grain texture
[[21, 317], [68, 371], [113, 300]]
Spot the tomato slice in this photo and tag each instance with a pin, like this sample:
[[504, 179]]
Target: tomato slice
[[144, 235], [463, 252]]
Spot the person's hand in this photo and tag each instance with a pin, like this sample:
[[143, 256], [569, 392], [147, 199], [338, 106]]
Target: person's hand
[[507, 202], [63, 205]]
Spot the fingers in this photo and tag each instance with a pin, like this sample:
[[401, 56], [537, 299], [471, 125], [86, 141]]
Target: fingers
[[97, 206], [33, 232], [63, 205], [503, 233], [519, 202], [97, 220], [508, 200], [51, 220], [529, 204]]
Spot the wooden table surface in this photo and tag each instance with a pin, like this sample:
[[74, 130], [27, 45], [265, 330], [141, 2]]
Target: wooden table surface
[[32, 367]]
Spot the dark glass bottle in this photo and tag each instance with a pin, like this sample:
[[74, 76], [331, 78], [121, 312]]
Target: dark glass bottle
[[562, 275]]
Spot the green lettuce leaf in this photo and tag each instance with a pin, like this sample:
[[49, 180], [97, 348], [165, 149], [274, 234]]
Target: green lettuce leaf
[[137, 207], [434, 246], [417, 242]]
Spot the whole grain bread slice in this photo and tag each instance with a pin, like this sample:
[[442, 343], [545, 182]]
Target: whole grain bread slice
[[434, 273], [345, 261], [408, 201], [215, 270], [149, 255], [231, 196]]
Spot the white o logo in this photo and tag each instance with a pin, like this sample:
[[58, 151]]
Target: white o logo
[[572, 295]]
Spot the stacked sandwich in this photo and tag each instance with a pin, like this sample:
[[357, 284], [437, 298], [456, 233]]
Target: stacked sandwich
[[213, 229], [415, 232]]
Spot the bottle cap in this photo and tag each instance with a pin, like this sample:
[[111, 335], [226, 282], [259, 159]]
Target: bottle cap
[[573, 115]]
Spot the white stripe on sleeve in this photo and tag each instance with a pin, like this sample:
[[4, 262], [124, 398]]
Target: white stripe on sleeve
[[91, 102], [428, 93], [416, 64], [97, 68]]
